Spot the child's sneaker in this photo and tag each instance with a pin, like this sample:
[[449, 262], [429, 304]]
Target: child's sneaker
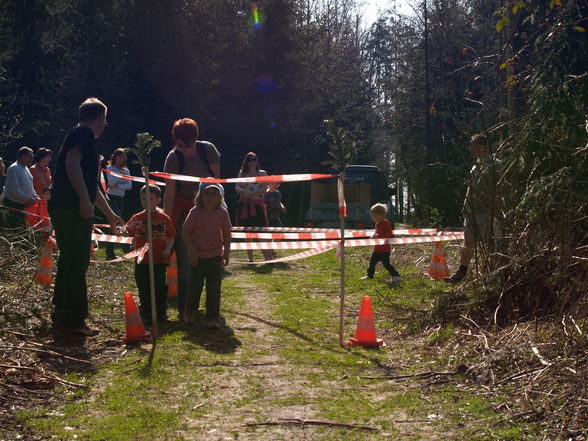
[[395, 279], [366, 278]]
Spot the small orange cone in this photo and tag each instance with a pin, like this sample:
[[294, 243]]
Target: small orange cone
[[172, 276], [365, 333], [44, 274], [135, 329], [438, 267]]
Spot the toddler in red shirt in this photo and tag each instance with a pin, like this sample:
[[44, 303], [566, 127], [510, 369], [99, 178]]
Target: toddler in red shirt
[[381, 253], [163, 234]]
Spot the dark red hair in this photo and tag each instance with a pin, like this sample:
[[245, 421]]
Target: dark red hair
[[185, 130]]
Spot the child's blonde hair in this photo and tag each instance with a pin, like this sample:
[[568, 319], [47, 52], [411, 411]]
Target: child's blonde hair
[[379, 209], [199, 199]]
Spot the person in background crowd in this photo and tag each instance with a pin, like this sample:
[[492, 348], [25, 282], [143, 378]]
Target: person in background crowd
[[71, 207], [193, 158], [273, 203], [163, 234], [480, 205], [381, 253], [42, 181], [19, 192], [207, 234], [251, 210], [116, 188]]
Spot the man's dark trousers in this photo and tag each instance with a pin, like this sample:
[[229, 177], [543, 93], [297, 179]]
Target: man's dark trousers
[[70, 295]]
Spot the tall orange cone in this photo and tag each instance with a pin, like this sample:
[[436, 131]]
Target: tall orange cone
[[365, 333], [171, 278], [44, 274], [438, 267], [135, 329]]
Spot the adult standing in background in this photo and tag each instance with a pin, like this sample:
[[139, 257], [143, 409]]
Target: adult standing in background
[[19, 191], [71, 207], [116, 189], [193, 158], [42, 181], [42, 178], [480, 207], [251, 210]]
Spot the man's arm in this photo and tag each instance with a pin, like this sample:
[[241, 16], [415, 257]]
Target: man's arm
[[76, 177], [113, 219]]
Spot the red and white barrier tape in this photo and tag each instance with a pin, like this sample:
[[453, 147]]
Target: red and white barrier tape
[[302, 255], [322, 235], [132, 178], [111, 238], [295, 236], [238, 246], [140, 253], [25, 212], [360, 232], [341, 197], [251, 179]]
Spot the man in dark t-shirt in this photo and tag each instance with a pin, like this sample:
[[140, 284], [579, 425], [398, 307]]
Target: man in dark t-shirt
[[71, 207]]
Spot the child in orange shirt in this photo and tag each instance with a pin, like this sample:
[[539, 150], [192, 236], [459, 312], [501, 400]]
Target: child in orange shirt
[[163, 234]]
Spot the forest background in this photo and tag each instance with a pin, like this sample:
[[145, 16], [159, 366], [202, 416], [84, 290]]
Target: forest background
[[263, 76], [409, 89]]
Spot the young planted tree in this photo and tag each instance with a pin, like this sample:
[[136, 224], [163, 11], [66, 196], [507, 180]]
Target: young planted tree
[[143, 146], [341, 152]]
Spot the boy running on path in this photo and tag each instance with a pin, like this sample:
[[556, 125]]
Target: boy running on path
[[381, 253]]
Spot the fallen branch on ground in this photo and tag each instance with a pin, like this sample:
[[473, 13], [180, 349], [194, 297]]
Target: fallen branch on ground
[[419, 375], [299, 422]]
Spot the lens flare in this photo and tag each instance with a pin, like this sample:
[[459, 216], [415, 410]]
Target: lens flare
[[266, 84], [256, 18]]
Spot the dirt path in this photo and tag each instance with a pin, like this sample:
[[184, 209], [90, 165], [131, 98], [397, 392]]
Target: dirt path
[[275, 371]]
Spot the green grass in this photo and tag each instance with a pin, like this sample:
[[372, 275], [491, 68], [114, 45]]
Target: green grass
[[279, 357]]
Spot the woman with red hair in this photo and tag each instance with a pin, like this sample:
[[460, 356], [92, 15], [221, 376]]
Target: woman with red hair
[[192, 158]]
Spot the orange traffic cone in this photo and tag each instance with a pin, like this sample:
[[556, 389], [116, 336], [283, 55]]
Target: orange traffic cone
[[44, 274], [172, 276], [365, 333], [438, 267], [135, 329]]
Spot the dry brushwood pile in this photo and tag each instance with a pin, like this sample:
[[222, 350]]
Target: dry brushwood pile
[[32, 362], [536, 371]]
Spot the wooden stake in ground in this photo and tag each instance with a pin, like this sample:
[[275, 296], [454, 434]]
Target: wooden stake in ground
[[151, 274], [342, 214], [342, 149]]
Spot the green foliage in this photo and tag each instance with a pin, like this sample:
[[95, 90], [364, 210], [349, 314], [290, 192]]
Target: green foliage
[[342, 148], [144, 144]]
